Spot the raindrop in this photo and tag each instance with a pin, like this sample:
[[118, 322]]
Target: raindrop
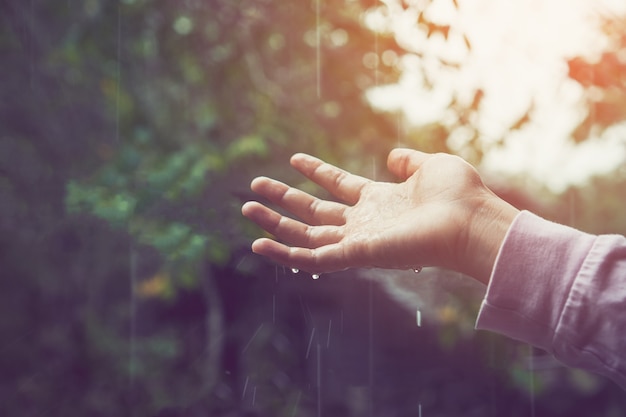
[[417, 270], [295, 270], [315, 276], [419, 318]]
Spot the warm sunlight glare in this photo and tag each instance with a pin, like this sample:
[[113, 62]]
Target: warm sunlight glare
[[517, 57]]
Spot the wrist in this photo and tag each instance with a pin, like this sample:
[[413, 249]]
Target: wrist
[[486, 229]]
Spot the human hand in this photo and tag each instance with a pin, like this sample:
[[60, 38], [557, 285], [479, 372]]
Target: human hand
[[441, 214]]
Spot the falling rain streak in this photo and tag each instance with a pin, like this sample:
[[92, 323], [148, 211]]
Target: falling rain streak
[[295, 406], [318, 48], [133, 319], [308, 349], [118, 73], [377, 58], [371, 345], [418, 318], [252, 339], [245, 387], [132, 254], [330, 325], [306, 318], [319, 384]]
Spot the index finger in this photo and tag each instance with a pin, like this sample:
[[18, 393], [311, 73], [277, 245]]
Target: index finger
[[338, 182]]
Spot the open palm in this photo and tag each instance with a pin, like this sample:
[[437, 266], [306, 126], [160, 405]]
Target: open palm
[[427, 219]]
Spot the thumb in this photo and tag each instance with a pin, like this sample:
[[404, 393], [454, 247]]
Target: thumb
[[404, 162]]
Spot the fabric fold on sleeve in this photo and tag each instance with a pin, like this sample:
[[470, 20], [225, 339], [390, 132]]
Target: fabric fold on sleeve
[[563, 291]]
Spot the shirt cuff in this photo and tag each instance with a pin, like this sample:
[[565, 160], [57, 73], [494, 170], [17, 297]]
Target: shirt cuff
[[534, 271]]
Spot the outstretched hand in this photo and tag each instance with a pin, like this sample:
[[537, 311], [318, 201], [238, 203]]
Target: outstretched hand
[[441, 214]]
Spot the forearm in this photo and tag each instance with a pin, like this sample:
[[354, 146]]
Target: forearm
[[562, 290]]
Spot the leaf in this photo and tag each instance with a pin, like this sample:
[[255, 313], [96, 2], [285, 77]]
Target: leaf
[[157, 286], [522, 120], [249, 145], [478, 98]]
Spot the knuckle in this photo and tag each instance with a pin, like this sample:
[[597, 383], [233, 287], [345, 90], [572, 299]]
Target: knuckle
[[312, 208], [338, 178]]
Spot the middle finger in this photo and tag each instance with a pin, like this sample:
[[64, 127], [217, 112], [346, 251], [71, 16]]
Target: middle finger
[[310, 209]]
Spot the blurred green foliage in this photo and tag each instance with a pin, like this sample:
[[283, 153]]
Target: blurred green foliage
[[129, 133]]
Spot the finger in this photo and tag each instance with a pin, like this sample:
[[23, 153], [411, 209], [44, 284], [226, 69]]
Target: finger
[[328, 258], [289, 230], [303, 205], [404, 162], [338, 182]]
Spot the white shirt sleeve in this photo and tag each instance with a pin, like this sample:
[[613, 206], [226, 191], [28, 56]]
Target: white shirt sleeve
[[561, 290]]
